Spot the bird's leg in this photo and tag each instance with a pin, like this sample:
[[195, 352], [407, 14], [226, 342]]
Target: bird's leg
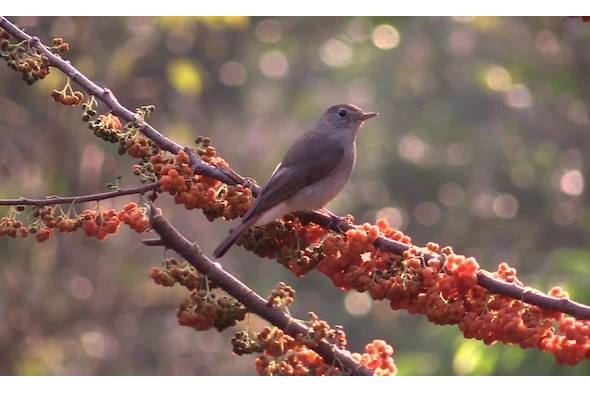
[[335, 220]]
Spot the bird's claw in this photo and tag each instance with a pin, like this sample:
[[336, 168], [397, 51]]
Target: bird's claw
[[340, 224]]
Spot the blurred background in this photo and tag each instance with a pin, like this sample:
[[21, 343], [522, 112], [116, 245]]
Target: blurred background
[[480, 144]]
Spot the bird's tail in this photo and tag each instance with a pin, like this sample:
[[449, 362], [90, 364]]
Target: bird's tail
[[231, 239]]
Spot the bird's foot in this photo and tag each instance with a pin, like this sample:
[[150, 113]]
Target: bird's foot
[[337, 223]]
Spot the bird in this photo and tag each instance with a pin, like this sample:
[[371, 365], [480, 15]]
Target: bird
[[314, 170]]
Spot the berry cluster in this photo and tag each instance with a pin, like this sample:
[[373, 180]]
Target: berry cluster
[[44, 223], [43, 227], [100, 223], [513, 322], [88, 110], [135, 217], [138, 146], [377, 357], [72, 98], [320, 330], [202, 309], [107, 127], [12, 228], [132, 141], [68, 225], [444, 288], [97, 223], [60, 45], [230, 203], [431, 281], [282, 295], [243, 344], [293, 244], [20, 58], [182, 273], [196, 191], [282, 354]]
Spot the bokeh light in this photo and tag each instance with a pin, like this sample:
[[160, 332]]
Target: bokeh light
[[233, 73], [546, 43], [336, 53], [451, 194], [414, 149], [505, 206], [427, 213], [572, 182], [395, 217], [498, 79], [481, 204], [461, 41], [359, 29], [268, 30], [519, 96], [385, 37], [81, 287], [273, 64], [577, 112], [357, 303]]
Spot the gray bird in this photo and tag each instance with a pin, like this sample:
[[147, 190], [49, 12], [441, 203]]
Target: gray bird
[[313, 172]]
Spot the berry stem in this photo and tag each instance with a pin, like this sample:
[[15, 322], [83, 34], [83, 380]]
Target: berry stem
[[57, 200]]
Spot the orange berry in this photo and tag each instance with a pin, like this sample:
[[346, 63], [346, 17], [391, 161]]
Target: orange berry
[[112, 226]]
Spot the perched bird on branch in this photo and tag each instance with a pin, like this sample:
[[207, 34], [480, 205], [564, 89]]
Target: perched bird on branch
[[314, 170]]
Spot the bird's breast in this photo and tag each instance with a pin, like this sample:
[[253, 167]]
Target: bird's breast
[[318, 194]]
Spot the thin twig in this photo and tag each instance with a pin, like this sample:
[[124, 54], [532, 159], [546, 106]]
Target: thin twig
[[173, 240], [57, 200], [108, 98]]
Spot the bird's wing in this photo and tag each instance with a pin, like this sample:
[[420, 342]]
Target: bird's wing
[[311, 158]]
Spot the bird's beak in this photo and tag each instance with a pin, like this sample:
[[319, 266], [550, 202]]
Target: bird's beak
[[367, 116]]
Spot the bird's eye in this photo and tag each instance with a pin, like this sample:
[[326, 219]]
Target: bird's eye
[[342, 113]]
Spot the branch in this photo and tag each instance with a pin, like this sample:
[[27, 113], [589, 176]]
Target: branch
[[57, 200], [172, 239], [484, 278], [230, 177], [109, 99]]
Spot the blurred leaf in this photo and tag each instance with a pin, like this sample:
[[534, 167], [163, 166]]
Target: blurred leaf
[[416, 363], [511, 358], [30, 366], [475, 358], [572, 261], [236, 22], [176, 22], [185, 77]]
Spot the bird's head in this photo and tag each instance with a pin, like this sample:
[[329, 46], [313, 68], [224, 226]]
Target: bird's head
[[345, 116]]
